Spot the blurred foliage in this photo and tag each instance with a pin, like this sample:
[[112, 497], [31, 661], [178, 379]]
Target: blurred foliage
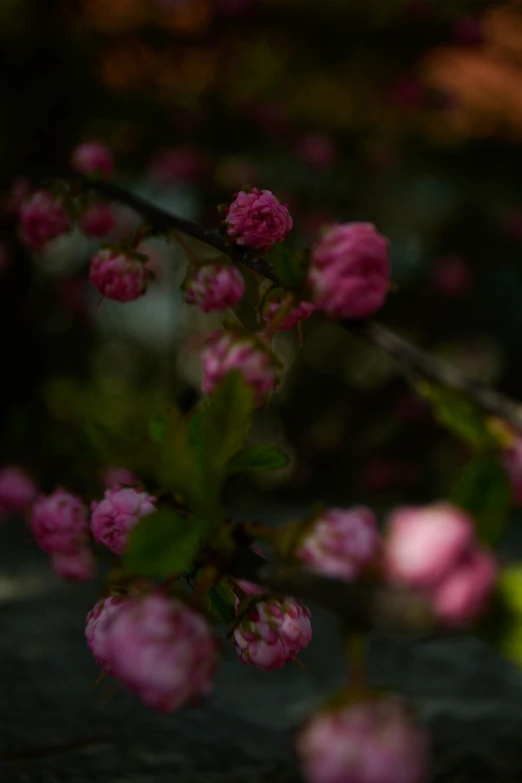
[[407, 113]]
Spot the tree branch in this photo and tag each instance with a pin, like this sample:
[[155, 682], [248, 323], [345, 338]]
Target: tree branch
[[360, 607], [411, 360]]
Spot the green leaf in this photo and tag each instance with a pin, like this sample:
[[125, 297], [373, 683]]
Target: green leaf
[[458, 414], [181, 469], [502, 629], [288, 266], [222, 601], [157, 429], [483, 490], [256, 459], [227, 419], [164, 544]]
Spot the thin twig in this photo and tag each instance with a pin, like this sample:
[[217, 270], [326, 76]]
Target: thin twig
[[410, 359]]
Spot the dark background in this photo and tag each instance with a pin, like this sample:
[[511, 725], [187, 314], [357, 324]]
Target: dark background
[[421, 104]]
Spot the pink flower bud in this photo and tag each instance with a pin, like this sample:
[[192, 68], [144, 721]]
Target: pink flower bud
[[93, 157], [113, 475], [349, 272], [79, 566], [371, 742], [227, 350], [42, 218], [162, 650], [59, 522], [178, 164], [340, 542], [276, 300], [451, 276], [318, 151], [118, 276], [463, 595], [17, 491], [98, 220], [98, 623], [257, 220], [114, 517], [272, 632], [215, 287], [424, 544]]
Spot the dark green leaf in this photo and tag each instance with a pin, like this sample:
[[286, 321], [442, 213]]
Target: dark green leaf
[[222, 600], [288, 266], [483, 490], [227, 419], [502, 629], [459, 415], [256, 459], [164, 544], [157, 429]]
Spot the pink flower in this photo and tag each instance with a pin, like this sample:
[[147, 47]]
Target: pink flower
[[162, 650], [42, 218], [434, 549], [340, 542], [59, 522], [113, 475], [371, 742], [215, 287], [114, 517], [464, 593], [227, 350], [118, 276], [17, 491], [93, 157], [257, 219], [98, 220], [349, 272], [318, 151], [424, 544], [178, 164], [512, 459], [272, 632], [98, 622], [451, 276], [275, 301], [78, 566]]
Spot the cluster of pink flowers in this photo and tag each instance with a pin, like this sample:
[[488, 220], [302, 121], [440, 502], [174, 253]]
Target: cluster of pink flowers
[[59, 524], [160, 648], [17, 492], [349, 271], [340, 542], [272, 631], [43, 218], [256, 219], [277, 299], [375, 741], [119, 276], [227, 350], [93, 157], [215, 287], [113, 518], [434, 549]]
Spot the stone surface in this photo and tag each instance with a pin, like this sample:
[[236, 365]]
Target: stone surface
[[55, 728]]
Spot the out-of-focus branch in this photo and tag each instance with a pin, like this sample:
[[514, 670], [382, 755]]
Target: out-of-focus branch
[[410, 359], [359, 606]]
